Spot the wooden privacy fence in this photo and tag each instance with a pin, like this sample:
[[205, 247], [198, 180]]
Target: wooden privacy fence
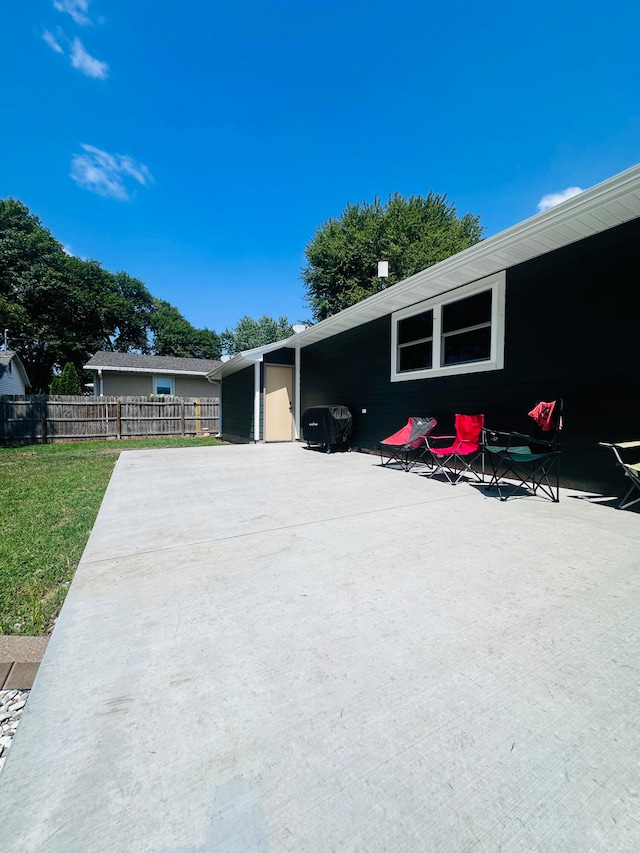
[[43, 418]]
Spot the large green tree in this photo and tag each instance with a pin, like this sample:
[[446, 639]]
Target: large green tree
[[60, 308], [410, 233], [31, 289], [249, 333], [174, 335]]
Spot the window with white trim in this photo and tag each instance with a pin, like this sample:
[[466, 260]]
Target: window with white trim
[[163, 385], [458, 332]]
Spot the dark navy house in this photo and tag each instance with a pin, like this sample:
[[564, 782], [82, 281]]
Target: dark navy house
[[547, 309]]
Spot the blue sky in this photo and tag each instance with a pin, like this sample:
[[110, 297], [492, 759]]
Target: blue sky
[[198, 145]]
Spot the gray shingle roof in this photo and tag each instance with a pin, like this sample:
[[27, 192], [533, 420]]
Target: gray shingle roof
[[157, 363]]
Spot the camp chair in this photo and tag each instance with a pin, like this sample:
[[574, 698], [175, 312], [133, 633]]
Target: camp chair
[[457, 457], [532, 460], [406, 446], [630, 469]]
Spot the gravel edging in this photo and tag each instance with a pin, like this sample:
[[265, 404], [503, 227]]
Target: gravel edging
[[12, 704]]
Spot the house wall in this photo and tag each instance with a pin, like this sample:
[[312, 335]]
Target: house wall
[[571, 332], [141, 385], [285, 355], [237, 406], [11, 380]]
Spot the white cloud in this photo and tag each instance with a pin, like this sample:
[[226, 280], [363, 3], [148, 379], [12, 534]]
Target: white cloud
[[86, 63], [550, 200], [52, 41], [76, 8], [104, 173]]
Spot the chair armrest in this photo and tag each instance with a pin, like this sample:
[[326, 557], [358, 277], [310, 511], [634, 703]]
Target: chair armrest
[[625, 445], [430, 438], [511, 438], [620, 450]]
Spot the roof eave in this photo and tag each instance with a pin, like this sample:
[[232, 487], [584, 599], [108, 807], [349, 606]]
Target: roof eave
[[110, 368]]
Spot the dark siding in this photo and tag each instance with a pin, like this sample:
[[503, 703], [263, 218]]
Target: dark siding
[[286, 355], [237, 406], [570, 332]]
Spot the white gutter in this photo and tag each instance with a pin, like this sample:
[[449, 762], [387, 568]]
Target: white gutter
[[296, 395], [256, 401]]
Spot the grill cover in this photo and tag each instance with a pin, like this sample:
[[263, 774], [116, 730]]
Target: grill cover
[[327, 425]]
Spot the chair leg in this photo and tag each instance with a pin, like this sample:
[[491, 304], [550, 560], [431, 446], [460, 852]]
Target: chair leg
[[542, 482], [455, 466], [534, 479], [624, 503]]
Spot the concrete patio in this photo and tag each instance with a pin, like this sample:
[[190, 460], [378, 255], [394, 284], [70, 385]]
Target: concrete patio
[[267, 648]]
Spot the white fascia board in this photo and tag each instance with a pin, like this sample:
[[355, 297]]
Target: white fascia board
[[248, 357]]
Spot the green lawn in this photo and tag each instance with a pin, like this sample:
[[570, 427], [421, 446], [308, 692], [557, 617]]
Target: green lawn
[[49, 498]]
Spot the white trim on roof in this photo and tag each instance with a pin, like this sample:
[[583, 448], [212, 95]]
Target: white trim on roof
[[247, 358], [160, 371]]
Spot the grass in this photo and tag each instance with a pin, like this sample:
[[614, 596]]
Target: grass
[[49, 498]]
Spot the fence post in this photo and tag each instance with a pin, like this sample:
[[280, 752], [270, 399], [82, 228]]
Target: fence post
[[118, 421], [182, 418], [44, 403]]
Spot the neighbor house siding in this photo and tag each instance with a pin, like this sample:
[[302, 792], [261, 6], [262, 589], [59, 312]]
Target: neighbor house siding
[[141, 384], [237, 406], [570, 332], [11, 380], [187, 386]]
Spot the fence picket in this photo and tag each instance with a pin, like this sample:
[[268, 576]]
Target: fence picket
[[40, 418]]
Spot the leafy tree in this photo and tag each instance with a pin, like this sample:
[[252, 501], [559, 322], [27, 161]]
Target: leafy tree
[[131, 308], [411, 234], [250, 333], [174, 335], [63, 309], [67, 382], [31, 285]]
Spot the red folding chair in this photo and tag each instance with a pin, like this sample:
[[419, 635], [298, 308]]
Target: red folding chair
[[458, 457], [407, 446]]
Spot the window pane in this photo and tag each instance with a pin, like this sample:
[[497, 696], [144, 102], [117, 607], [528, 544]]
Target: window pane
[[467, 312], [415, 328], [164, 386], [467, 346], [415, 356]]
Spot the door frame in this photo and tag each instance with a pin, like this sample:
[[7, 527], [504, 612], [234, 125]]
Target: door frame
[[292, 408]]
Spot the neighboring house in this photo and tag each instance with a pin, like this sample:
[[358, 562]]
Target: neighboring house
[[13, 376], [122, 374], [548, 308]]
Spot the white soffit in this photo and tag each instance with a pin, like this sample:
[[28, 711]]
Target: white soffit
[[598, 209]]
